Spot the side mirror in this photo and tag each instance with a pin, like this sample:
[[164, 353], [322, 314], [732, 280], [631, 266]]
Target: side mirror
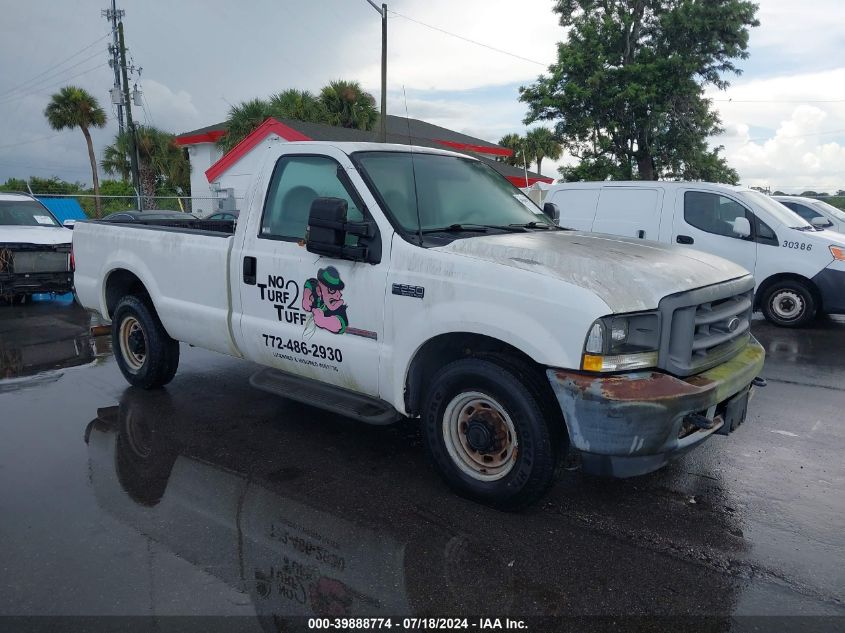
[[821, 222], [551, 210], [328, 228], [742, 227], [69, 224]]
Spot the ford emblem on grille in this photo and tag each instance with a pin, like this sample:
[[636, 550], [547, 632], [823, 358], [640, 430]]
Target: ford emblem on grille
[[733, 324]]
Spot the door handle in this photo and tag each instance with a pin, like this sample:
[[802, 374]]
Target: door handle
[[684, 239], [250, 266]]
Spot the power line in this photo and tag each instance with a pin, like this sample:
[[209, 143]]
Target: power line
[[779, 100], [52, 77], [54, 66], [42, 88], [466, 39], [772, 138], [35, 140]]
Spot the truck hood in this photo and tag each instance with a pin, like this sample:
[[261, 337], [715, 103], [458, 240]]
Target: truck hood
[[49, 235], [627, 274]]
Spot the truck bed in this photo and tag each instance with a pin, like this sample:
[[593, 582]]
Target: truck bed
[[184, 264]]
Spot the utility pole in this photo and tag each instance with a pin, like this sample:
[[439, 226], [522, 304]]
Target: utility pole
[[130, 126], [383, 115], [114, 15]]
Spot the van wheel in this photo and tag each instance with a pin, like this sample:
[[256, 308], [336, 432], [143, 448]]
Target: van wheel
[[487, 435], [789, 303], [145, 353]]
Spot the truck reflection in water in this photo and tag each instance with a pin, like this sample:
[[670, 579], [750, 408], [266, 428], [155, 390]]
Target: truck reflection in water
[[38, 340], [263, 502], [292, 557]]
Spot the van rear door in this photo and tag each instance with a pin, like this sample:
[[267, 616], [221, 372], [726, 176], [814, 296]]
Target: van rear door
[[577, 207], [629, 211]]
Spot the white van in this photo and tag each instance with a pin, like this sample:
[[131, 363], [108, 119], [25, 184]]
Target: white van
[[817, 212], [799, 269]]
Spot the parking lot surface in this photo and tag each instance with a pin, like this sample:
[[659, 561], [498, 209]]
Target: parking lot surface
[[212, 498]]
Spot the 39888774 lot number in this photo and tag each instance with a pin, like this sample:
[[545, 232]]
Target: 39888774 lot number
[[403, 624]]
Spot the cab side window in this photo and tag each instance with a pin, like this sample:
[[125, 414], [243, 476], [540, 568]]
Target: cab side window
[[712, 212], [297, 181]]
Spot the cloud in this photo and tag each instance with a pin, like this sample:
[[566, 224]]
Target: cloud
[[168, 110], [786, 132]]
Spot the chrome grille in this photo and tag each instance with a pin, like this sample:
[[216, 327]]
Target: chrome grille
[[705, 327]]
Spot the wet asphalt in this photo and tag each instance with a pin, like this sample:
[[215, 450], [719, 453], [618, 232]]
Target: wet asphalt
[[212, 498]]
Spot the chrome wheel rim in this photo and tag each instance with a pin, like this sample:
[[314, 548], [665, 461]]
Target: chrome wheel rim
[[133, 343], [787, 305], [480, 436]]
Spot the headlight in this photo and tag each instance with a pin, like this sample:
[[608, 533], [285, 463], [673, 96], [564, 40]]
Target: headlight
[[622, 342], [838, 252]]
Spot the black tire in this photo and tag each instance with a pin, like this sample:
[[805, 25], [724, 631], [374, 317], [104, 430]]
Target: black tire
[[529, 472], [150, 359], [789, 303]]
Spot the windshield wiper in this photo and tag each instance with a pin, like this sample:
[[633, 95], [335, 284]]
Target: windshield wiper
[[806, 227], [458, 228], [537, 225]]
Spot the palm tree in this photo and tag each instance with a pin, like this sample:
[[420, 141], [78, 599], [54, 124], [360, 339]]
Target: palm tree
[[297, 104], [74, 107], [243, 119], [347, 105], [542, 143], [161, 163], [516, 144]]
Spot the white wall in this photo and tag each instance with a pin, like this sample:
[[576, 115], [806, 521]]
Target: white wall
[[240, 175], [202, 156]]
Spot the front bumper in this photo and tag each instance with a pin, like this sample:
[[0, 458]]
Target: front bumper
[[28, 283], [831, 285], [631, 424]]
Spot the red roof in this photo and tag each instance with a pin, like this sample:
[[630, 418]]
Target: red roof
[[270, 126]]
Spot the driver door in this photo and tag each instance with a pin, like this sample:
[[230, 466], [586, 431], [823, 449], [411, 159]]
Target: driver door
[[704, 221], [314, 316]]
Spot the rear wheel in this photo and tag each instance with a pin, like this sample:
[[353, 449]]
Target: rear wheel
[[789, 303], [487, 434], [145, 353]]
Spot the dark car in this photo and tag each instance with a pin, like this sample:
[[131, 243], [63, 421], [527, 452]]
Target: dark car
[[142, 216], [223, 215]]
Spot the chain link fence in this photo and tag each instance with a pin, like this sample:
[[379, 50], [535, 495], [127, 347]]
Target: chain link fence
[[200, 206]]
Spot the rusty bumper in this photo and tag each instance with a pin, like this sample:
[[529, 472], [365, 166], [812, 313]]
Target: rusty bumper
[[631, 424]]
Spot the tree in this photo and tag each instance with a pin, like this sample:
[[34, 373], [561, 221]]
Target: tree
[[516, 144], [242, 120], [74, 107], [627, 91], [542, 143], [347, 105], [162, 165], [297, 104]]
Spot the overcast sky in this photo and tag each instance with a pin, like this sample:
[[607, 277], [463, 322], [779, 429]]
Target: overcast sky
[[785, 121]]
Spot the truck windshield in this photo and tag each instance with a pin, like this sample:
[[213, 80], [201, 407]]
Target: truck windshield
[[839, 214], [782, 214], [24, 213], [452, 192]]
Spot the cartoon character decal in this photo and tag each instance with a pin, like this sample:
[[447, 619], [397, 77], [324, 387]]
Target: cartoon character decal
[[322, 297]]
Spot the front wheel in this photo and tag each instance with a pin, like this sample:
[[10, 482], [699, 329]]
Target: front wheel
[[487, 435], [789, 304], [145, 353]]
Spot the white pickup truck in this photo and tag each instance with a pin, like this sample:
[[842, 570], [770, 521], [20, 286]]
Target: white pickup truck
[[382, 281]]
